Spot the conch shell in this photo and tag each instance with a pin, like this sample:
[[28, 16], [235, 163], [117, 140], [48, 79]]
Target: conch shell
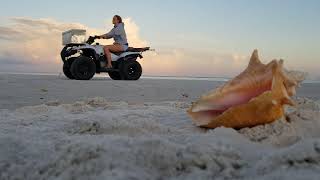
[[256, 96]]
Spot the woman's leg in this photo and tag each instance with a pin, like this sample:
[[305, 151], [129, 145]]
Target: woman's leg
[[111, 48]]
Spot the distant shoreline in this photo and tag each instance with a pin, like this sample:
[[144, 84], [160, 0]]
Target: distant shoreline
[[218, 79]]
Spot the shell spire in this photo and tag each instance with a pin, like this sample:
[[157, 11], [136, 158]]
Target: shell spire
[[255, 60]]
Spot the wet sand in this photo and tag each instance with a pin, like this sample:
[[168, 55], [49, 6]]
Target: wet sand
[[26, 90]]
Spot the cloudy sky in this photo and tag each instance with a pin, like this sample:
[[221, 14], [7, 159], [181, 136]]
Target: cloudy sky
[[191, 37]]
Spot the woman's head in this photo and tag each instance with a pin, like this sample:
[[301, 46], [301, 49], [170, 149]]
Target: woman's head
[[116, 19]]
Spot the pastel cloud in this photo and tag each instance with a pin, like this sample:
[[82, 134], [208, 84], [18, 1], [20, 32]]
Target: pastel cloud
[[33, 44], [185, 62]]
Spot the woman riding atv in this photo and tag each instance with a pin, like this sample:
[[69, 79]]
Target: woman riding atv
[[118, 33]]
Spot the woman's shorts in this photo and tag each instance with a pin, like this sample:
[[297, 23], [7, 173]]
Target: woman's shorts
[[125, 47]]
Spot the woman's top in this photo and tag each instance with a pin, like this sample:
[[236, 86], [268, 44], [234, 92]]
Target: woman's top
[[118, 34]]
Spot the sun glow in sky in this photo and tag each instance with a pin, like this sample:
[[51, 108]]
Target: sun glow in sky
[[191, 37]]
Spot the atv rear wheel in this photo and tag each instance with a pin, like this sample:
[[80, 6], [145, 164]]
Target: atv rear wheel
[[115, 75], [83, 68], [131, 70], [67, 68]]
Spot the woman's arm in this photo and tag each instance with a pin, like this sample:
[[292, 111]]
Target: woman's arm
[[112, 33], [108, 35]]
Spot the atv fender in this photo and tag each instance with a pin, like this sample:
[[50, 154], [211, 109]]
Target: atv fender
[[130, 56]]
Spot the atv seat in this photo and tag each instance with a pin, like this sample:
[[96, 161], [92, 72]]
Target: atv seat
[[131, 49]]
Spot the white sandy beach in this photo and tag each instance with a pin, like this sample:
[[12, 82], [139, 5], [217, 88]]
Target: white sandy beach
[[54, 128]]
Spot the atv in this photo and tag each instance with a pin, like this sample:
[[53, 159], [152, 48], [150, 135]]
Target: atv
[[82, 60]]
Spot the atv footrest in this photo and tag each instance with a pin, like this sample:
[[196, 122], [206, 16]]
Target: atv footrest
[[109, 70]]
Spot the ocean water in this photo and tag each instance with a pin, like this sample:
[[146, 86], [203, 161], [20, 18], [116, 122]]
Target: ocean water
[[222, 79], [219, 79]]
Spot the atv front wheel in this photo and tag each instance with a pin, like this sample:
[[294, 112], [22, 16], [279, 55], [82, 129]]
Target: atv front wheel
[[83, 68], [131, 70], [66, 68]]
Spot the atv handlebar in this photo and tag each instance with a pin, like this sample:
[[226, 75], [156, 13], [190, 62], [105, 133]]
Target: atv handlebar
[[91, 39]]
